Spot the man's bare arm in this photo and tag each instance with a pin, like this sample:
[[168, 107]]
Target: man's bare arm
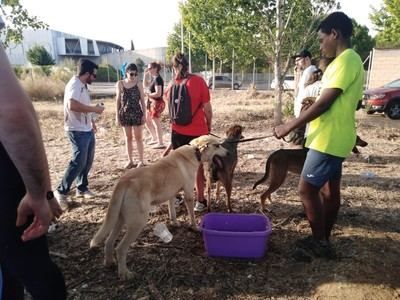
[[77, 106], [20, 132], [324, 102]]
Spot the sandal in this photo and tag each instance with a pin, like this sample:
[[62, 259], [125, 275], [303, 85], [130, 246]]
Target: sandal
[[128, 165]]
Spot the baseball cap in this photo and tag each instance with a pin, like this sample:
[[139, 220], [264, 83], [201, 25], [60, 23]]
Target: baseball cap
[[303, 53]]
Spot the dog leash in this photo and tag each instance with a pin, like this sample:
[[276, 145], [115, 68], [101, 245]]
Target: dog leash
[[251, 139], [214, 135], [244, 140]]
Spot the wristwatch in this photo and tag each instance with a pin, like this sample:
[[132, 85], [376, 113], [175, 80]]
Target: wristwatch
[[49, 195]]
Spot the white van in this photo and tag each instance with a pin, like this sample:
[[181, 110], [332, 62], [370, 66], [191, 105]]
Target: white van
[[288, 83]]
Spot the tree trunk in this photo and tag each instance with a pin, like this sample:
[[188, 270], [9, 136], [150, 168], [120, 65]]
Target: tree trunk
[[233, 65], [277, 66], [213, 72]]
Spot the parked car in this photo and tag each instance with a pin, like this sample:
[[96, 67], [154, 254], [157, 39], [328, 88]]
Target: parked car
[[222, 81], [288, 83], [385, 99]]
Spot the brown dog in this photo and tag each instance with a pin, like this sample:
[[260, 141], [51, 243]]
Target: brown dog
[[287, 160], [139, 189], [221, 169]]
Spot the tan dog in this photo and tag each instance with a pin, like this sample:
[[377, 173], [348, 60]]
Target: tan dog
[[138, 189], [221, 169], [282, 161]]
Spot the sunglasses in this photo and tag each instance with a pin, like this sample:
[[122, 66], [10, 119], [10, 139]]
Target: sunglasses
[[133, 74]]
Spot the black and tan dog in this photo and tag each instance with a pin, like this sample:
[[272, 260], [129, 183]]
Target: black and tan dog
[[282, 161], [222, 168]]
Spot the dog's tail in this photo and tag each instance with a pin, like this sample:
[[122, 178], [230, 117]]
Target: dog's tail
[[112, 216], [265, 177]]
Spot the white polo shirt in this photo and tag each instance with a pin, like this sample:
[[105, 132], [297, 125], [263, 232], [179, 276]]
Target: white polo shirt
[[76, 121]]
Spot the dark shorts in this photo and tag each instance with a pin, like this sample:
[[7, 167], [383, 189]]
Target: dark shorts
[[320, 167], [178, 140]]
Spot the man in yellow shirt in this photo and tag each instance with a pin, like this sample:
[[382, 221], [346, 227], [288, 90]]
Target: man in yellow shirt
[[331, 134]]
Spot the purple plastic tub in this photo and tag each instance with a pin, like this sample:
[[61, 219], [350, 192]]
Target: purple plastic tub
[[235, 235]]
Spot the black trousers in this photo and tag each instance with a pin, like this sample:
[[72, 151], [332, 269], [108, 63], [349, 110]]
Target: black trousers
[[25, 264]]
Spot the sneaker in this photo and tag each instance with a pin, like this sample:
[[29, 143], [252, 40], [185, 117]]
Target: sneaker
[[308, 247], [128, 165], [62, 200], [159, 146], [179, 200], [200, 206], [86, 194], [140, 164]]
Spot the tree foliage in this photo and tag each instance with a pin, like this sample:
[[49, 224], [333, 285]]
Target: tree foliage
[[39, 56], [387, 22], [198, 55], [17, 19], [140, 64], [362, 42]]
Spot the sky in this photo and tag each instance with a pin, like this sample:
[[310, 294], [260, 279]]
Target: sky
[[146, 22]]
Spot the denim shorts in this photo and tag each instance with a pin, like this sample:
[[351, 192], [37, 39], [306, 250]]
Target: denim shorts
[[320, 167]]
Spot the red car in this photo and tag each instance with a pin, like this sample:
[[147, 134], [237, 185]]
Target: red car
[[385, 99]]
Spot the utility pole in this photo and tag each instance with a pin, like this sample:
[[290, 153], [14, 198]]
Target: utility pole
[[182, 49], [190, 56]]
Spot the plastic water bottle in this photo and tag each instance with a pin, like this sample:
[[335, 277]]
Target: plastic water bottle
[[95, 115], [162, 232]]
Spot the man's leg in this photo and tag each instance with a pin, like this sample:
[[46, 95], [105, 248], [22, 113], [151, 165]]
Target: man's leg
[[29, 264], [25, 263], [330, 194], [79, 143], [310, 196], [12, 287], [82, 181]]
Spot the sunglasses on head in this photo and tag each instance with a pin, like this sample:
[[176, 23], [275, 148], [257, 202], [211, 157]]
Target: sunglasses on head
[[132, 74]]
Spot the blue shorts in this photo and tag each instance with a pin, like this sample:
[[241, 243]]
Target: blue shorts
[[320, 167]]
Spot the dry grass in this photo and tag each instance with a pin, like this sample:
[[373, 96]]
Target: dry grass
[[43, 88], [366, 237]]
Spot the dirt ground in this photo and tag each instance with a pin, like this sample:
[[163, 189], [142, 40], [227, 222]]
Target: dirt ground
[[366, 237]]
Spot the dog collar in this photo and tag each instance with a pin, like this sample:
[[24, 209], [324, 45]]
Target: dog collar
[[198, 154]]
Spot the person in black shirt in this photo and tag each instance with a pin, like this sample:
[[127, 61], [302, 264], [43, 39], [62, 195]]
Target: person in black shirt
[[27, 204], [155, 104]]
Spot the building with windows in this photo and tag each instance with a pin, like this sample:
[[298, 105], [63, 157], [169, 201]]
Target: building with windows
[[62, 46]]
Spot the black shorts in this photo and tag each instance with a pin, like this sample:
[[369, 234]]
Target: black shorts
[[178, 140]]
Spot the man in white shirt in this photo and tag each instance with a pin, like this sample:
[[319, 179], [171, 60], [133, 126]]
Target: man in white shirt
[[80, 128], [303, 59]]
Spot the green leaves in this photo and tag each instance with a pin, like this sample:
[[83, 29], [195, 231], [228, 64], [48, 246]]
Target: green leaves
[[361, 41], [38, 55], [17, 19], [387, 22]]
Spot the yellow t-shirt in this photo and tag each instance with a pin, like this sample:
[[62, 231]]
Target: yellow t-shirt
[[334, 131]]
